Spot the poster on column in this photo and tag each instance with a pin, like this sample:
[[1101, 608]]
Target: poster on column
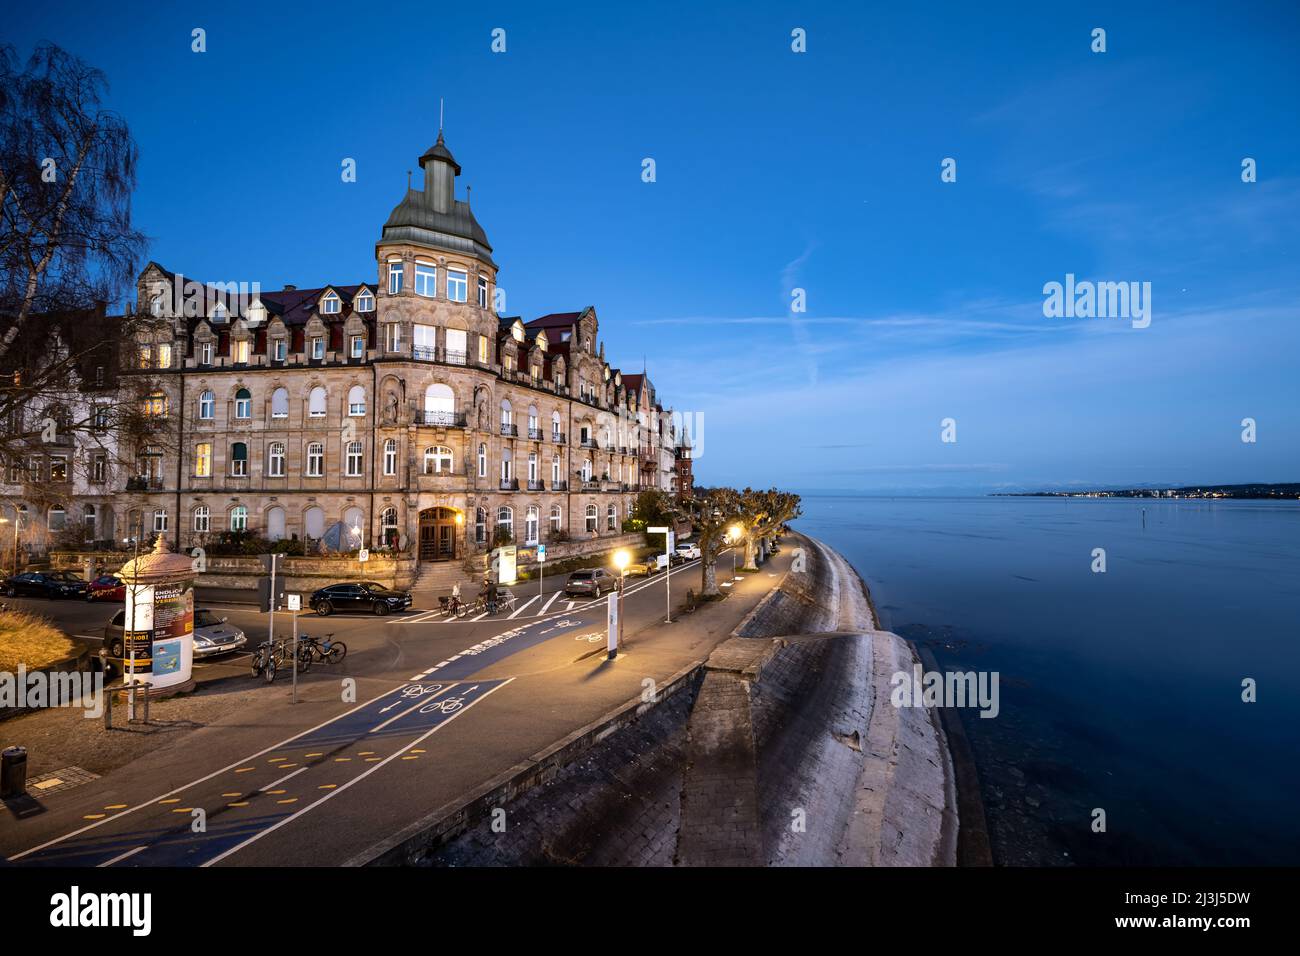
[[173, 633]]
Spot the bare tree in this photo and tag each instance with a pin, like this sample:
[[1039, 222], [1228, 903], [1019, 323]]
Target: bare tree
[[713, 512], [765, 512]]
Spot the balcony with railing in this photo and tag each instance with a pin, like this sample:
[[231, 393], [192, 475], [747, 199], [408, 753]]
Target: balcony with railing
[[559, 486], [589, 443], [437, 418], [536, 484], [440, 355], [509, 484], [558, 437], [509, 430], [535, 434], [144, 483]]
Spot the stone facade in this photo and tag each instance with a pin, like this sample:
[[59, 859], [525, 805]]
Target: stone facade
[[401, 413]]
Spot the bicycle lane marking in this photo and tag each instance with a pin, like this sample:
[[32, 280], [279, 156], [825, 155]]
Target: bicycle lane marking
[[473, 659], [437, 718], [154, 801], [230, 826]]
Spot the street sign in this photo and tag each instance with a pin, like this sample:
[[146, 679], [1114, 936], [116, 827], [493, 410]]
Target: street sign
[[658, 529], [541, 553], [295, 602], [363, 554], [612, 641]]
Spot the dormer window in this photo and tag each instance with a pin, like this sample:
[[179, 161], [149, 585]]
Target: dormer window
[[256, 313], [219, 313], [330, 305], [365, 302], [517, 330]]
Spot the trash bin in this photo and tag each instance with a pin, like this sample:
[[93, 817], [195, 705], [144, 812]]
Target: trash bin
[[13, 772]]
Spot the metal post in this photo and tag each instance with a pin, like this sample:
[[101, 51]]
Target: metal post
[[108, 691], [622, 576], [668, 581], [295, 657]]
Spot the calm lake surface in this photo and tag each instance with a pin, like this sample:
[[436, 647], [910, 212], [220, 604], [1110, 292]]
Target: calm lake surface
[[1119, 690]]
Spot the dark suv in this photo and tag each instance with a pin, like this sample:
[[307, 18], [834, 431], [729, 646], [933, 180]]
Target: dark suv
[[359, 596], [590, 582]]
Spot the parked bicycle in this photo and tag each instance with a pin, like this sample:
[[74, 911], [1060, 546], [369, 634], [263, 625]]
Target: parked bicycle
[[313, 650], [267, 659]]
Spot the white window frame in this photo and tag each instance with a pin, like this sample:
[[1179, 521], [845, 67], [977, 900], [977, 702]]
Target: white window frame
[[426, 279], [355, 453], [457, 282], [315, 459], [390, 457], [331, 305], [202, 519], [275, 455]]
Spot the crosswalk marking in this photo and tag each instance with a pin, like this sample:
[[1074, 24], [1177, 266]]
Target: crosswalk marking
[[548, 604], [521, 608]]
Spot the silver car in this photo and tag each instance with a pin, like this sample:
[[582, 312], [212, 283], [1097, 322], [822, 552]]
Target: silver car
[[212, 635]]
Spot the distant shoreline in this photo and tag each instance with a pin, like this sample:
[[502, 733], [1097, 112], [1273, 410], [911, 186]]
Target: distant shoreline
[[1253, 492]]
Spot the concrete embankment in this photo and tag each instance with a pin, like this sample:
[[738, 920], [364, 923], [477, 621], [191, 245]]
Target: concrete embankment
[[782, 748]]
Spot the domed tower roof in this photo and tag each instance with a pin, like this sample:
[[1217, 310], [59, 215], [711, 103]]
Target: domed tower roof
[[162, 564], [433, 217]]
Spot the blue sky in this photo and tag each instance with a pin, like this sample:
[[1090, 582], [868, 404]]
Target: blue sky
[[778, 170]]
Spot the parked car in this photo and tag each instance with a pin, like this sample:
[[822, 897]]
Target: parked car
[[589, 582], [46, 584], [212, 635], [359, 596], [687, 551], [645, 567], [106, 587]]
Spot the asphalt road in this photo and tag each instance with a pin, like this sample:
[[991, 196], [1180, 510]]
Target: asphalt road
[[439, 708]]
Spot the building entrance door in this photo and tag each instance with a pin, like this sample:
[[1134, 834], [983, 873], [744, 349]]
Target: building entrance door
[[438, 534]]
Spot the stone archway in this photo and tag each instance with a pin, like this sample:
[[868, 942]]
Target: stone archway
[[439, 534]]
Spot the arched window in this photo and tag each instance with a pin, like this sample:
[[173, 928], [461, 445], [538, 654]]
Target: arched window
[[555, 426], [437, 460], [482, 460], [356, 400], [239, 518], [239, 460], [275, 524], [533, 430], [531, 522], [315, 460], [505, 522], [390, 456], [243, 404], [480, 525], [354, 456], [275, 462], [557, 518], [203, 460], [555, 472], [354, 527], [280, 403], [313, 522], [388, 527], [202, 519], [316, 403], [207, 406], [439, 405], [611, 518], [593, 515]]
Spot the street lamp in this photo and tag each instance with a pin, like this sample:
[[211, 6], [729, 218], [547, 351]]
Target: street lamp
[[621, 560], [734, 534]]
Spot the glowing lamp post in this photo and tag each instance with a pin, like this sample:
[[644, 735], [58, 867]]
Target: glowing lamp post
[[734, 534], [621, 560]]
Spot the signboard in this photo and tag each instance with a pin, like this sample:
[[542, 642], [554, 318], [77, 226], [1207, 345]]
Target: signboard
[[541, 553], [363, 554], [159, 643], [507, 565], [295, 602]]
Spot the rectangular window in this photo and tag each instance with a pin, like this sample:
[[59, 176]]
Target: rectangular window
[[101, 418], [394, 278], [165, 355], [203, 460], [393, 337], [426, 279], [281, 348], [457, 285], [99, 468], [159, 521], [318, 348], [240, 351], [58, 468], [390, 458], [358, 346], [456, 346], [354, 459], [482, 350], [202, 519], [482, 292], [146, 356], [205, 353], [315, 461]]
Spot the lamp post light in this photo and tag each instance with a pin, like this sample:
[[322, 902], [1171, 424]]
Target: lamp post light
[[734, 534], [621, 560]]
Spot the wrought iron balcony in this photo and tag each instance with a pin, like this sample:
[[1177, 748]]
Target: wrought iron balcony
[[589, 443], [557, 437], [559, 486], [439, 419], [509, 484], [443, 356], [144, 483], [535, 434], [536, 485], [510, 431]]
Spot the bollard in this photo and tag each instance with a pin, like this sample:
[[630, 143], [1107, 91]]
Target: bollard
[[147, 688], [13, 772]]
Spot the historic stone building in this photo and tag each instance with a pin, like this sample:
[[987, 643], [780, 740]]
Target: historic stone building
[[402, 412]]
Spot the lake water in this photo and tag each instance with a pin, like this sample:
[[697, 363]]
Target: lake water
[[1121, 690]]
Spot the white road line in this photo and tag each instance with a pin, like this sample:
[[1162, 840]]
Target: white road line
[[270, 786], [122, 856], [195, 783], [479, 618], [357, 779], [569, 607], [522, 607], [548, 604]]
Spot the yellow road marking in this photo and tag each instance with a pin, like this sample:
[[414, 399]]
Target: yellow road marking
[[417, 751], [235, 794], [342, 759], [327, 786], [172, 800], [286, 766], [116, 806], [275, 791], [364, 753], [410, 758], [371, 759], [94, 816], [290, 800], [181, 809], [320, 753], [245, 769], [238, 803]]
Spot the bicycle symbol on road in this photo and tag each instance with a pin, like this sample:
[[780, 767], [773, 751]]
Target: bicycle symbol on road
[[595, 637], [412, 691]]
